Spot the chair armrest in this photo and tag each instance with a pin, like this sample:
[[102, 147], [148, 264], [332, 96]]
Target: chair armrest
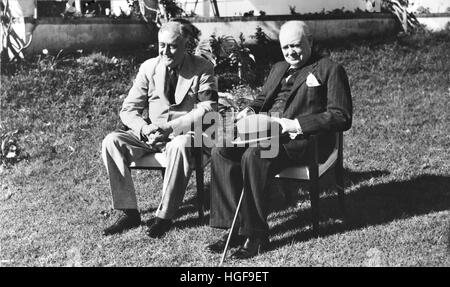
[[313, 165], [314, 140]]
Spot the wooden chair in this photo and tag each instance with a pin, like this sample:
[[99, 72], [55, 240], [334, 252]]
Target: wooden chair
[[157, 161], [313, 173]]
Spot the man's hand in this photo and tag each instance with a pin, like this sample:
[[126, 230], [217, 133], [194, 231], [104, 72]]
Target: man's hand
[[244, 113], [149, 129], [156, 138], [160, 135], [165, 130], [288, 125]]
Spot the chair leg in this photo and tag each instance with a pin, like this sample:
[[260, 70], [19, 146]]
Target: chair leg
[[288, 198], [200, 193], [339, 170], [340, 174], [340, 190], [200, 184], [314, 197], [314, 183]]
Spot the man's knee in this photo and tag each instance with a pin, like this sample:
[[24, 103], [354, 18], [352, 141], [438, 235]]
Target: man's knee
[[116, 140], [251, 156], [110, 141], [180, 142], [218, 153]]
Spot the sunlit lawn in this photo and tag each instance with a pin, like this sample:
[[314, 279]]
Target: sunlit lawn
[[55, 201]]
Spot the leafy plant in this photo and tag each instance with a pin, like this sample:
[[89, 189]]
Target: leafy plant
[[261, 37], [423, 10], [171, 9], [266, 51], [205, 50], [135, 9], [47, 61], [242, 58], [292, 10], [226, 53], [217, 49]]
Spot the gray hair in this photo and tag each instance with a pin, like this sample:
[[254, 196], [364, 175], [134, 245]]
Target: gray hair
[[177, 27]]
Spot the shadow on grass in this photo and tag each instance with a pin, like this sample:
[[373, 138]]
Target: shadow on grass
[[191, 221], [189, 206], [148, 210], [368, 205]]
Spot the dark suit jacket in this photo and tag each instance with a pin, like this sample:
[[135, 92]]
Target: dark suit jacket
[[321, 110]]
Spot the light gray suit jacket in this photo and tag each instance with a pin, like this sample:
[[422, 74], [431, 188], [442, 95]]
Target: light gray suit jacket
[[195, 94]]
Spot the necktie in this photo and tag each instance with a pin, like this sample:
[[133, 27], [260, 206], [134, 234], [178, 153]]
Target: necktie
[[171, 84], [290, 74]]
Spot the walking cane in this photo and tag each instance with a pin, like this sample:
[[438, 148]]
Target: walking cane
[[232, 228]]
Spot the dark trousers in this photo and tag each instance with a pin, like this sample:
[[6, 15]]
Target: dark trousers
[[234, 168]]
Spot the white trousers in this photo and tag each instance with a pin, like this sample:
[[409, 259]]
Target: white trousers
[[120, 148]]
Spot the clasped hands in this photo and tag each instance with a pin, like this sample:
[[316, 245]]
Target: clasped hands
[[287, 125], [157, 135]]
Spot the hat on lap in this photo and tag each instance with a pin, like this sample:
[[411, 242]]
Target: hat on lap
[[256, 128]]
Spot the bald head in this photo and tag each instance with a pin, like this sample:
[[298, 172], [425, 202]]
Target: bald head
[[297, 28], [295, 41]]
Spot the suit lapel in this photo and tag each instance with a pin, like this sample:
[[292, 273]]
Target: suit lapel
[[159, 80], [275, 82], [278, 76], [300, 79], [185, 79]]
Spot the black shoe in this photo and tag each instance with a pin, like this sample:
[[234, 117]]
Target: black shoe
[[219, 245], [126, 221], [252, 247], [159, 227]]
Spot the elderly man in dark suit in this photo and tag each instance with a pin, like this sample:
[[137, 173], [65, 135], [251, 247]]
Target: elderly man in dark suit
[[311, 95]]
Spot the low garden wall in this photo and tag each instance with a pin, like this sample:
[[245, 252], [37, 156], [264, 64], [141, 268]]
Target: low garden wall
[[324, 27], [105, 33], [100, 33]]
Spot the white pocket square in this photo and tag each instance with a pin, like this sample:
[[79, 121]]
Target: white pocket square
[[311, 81]]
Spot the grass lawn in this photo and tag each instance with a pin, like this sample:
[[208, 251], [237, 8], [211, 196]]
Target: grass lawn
[[55, 200]]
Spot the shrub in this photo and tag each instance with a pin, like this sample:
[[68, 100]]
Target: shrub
[[228, 55]]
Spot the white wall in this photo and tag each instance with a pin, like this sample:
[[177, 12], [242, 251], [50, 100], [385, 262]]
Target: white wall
[[278, 7], [435, 6]]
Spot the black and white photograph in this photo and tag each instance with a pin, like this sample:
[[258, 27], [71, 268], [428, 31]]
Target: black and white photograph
[[244, 134]]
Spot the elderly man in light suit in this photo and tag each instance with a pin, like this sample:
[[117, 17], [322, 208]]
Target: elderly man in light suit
[[177, 88]]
